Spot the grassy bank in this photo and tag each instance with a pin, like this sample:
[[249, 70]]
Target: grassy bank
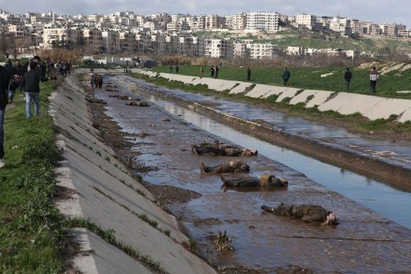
[[389, 128], [32, 231], [321, 78]]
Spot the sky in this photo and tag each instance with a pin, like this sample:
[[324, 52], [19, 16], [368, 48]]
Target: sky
[[376, 11]]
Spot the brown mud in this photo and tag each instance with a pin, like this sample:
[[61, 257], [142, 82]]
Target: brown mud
[[284, 238]]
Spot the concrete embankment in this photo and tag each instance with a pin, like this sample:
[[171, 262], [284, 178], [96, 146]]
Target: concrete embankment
[[340, 155], [345, 103], [99, 189]]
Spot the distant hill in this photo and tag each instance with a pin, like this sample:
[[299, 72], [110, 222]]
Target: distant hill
[[322, 39]]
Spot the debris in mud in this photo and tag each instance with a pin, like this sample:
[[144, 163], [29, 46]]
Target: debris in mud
[[143, 134], [223, 242], [170, 194]]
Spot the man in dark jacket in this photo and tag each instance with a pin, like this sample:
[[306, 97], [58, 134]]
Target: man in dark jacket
[[286, 76], [4, 82], [347, 78], [31, 85]]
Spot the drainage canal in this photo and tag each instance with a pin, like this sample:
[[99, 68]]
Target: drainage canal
[[376, 195]]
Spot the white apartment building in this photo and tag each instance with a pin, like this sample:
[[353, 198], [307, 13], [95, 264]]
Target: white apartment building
[[296, 50], [210, 22], [218, 48], [241, 50], [59, 35], [237, 21], [305, 21], [262, 21], [341, 25], [261, 51], [19, 31]]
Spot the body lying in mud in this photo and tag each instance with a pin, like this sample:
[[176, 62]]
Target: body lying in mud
[[231, 166], [221, 149], [138, 103], [307, 213], [265, 180]]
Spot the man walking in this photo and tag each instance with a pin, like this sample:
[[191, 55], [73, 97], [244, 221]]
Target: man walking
[[347, 77], [286, 76], [31, 84], [373, 79]]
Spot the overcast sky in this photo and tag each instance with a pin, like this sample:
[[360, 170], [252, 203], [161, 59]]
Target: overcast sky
[[377, 11]]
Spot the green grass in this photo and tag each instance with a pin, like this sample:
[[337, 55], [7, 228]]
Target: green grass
[[311, 78], [32, 231]]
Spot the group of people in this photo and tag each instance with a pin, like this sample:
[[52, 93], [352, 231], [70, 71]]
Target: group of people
[[374, 74], [171, 68], [214, 70], [285, 76], [25, 77], [96, 80]]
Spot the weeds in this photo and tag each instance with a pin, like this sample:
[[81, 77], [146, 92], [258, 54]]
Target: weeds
[[32, 230]]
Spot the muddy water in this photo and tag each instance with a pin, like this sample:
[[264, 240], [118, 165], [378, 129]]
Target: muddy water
[[362, 241], [376, 195]]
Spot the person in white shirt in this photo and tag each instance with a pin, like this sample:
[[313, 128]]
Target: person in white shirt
[[373, 79]]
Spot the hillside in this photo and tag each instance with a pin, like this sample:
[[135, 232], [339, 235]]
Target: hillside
[[322, 39]]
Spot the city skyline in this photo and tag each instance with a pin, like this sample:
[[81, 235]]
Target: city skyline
[[382, 11]]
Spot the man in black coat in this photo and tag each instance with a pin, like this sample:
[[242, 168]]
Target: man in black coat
[[31, 85], [4, 82]]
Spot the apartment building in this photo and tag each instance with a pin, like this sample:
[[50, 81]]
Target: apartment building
[[210, 22], [262, 21], [111, 41], [19, 31], [60, 36], [341, 25], [218, 48], [93, 40], [127, 41], [306, 21], [261, 50], [392, 30], [241, 50], [237, 21]]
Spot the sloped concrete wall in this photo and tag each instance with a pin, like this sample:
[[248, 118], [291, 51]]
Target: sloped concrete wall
[[345, 103], [101, 190]]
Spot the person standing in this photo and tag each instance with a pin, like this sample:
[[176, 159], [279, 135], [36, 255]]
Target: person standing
[[248, 73], [92, 77], [201, 71], [31, 85], [347, 77], [373, 79], [286, 76], [4, 82]]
